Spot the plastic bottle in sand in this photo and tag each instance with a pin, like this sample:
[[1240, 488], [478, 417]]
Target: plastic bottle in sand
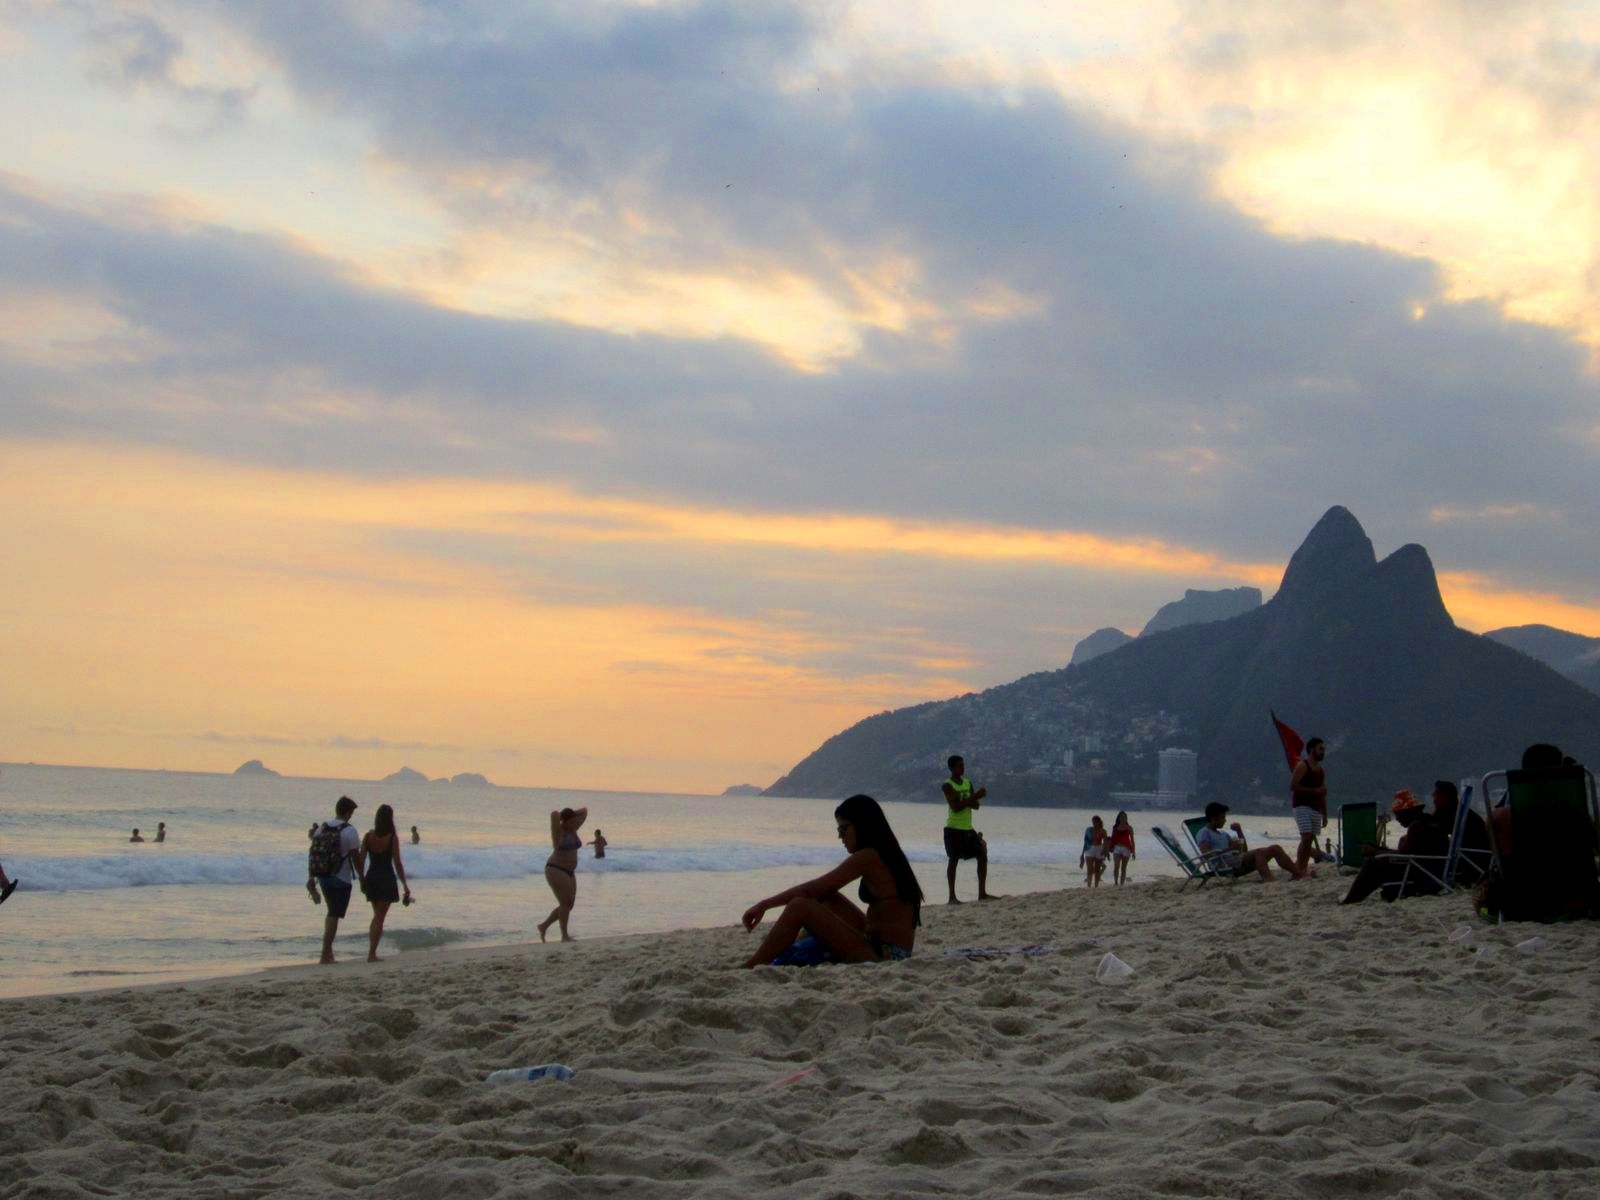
[[529, 1074], [1112, 970], [1534, 945]]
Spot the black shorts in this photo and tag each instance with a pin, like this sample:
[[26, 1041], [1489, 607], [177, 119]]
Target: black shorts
[[962, 843], [336, 895]]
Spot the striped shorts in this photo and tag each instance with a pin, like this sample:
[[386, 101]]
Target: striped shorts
[[1307, 819]]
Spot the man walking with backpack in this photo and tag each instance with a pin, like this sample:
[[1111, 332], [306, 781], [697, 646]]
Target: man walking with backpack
[[333, 864]]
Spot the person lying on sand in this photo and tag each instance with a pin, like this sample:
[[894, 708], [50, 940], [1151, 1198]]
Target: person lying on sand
[[889, 889], [1229, 852]]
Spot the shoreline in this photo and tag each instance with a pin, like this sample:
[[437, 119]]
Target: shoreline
[[411, 959], [1268, 1042]]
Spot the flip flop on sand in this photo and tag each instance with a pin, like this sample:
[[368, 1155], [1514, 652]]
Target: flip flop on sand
[[5, 892]]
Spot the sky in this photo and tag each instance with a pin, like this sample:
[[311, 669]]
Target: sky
[[633, 395]]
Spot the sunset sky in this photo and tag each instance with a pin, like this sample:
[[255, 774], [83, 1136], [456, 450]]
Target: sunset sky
[[634, 395]]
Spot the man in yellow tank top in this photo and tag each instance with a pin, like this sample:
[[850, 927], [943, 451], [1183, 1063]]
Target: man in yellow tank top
[[961, 840]]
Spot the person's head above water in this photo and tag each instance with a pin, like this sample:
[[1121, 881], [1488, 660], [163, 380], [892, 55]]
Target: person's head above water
[[957, 765], [862, 826]]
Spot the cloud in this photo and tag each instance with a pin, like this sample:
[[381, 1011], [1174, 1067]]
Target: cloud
[[134, 51], [963, 309]]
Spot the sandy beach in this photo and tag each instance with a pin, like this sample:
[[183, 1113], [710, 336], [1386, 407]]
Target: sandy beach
[[1270, 1043]]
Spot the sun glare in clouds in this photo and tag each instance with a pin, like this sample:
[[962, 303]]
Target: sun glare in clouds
[[1463, 133]]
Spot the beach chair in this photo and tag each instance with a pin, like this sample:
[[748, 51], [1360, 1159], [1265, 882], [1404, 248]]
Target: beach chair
[[1193, 865], [1434, 874], [1192, 827], [1543, 836], [1358, 828]]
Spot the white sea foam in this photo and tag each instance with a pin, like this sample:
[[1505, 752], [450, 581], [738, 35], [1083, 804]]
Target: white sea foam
[[159, 867]]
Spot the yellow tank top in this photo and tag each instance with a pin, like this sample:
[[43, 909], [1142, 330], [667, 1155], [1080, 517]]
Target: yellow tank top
[[962, 819]]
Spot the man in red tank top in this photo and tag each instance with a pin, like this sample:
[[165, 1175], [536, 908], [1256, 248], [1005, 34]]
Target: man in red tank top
[[1308, 798]]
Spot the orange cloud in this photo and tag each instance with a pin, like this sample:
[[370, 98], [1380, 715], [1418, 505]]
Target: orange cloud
[[1479, 603], [149, 591]]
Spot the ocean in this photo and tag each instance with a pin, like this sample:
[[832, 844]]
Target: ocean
[[225, 893]]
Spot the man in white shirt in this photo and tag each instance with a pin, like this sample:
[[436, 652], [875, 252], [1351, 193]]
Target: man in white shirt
[[1229, 853], [336, 888]]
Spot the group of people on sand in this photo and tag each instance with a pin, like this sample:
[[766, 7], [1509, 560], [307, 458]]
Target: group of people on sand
[[817, 923], [342, 860], [1099, 844], [1425, 834]]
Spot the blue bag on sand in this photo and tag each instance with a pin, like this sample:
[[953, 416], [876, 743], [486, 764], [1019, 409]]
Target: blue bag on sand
[[807, 952]]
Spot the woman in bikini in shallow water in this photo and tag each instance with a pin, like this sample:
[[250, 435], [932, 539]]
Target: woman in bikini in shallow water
[[561, 869], [889, 889]]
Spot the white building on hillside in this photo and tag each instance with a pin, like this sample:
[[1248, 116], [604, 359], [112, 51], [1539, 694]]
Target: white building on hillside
[[1178, 773]]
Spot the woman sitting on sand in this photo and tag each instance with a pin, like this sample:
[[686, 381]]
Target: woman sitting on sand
[[379, 857], [561, 869], [842, 932]]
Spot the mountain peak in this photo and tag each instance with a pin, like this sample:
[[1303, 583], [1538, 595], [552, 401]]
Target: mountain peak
[[1335, 552], [1198, 606], [1101, 641], [1407, 588]]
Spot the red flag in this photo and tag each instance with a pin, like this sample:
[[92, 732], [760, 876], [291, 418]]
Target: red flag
[[1293, 744]]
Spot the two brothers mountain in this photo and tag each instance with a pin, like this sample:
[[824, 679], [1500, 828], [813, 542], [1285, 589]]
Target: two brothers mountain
[[1360, 651]]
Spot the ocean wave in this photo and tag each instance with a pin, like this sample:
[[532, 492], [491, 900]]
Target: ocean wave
[[161, 868]]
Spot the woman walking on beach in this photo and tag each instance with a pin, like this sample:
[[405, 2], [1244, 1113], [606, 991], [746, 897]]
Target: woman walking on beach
[[379, 863], [1093, 858], [1122, 850], [841, 931], [561, 870]]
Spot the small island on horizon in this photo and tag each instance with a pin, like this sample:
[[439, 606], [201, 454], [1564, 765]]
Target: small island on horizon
[[255, 767], [743, 789]]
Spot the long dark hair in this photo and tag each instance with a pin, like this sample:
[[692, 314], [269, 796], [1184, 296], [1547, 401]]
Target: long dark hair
[[383, 821], [873, 833]]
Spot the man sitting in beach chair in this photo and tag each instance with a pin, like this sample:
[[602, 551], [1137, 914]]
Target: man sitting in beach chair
[[1229, 854], [1423, 838]]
